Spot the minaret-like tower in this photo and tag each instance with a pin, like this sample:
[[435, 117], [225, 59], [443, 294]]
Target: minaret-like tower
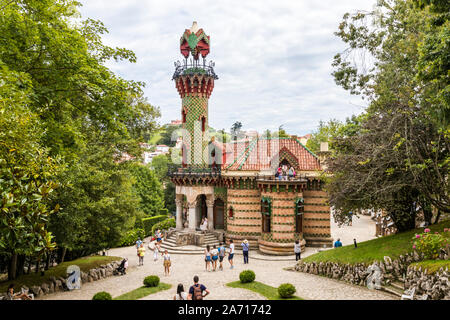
[[195, 82]]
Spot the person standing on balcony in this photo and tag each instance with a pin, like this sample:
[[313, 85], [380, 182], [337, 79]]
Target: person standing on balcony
[[291, 173]]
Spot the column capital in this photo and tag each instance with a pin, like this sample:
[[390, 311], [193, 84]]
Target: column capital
[[192, 204], [179, 202]]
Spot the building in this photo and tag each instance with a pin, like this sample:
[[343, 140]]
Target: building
[[234, 184]]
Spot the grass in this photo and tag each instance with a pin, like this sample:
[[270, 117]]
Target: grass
[[156, 137], [35, 279], [265, 290], [372, 250], [432, 266], [143, 292]]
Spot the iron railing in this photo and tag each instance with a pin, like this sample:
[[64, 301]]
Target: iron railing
[[194, 67], [188, 171]]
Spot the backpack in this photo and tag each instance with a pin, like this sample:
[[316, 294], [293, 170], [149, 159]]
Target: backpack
[[197, 293]]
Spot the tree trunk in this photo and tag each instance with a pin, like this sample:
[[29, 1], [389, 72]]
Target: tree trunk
[[47, 263], [29, 265], [20, 264], [438, 216], [12, 267], [63, 255]]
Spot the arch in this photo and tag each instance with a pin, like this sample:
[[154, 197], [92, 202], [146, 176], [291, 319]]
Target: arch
[[219, 211], [283, 156]]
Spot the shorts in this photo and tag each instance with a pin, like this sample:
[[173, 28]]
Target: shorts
[[214, 258], [230, 256], [167, 263], [158, 239], [221, 258], [208, 258]]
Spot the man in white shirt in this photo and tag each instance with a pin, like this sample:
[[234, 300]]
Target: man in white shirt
[[231, 254]]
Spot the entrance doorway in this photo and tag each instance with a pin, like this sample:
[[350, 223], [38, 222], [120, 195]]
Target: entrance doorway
[[219, 208], [201, 209]]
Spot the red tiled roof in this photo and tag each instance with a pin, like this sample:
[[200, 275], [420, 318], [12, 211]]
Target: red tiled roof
[[259, 154]]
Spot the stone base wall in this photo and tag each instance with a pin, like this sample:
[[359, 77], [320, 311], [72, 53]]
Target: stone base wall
[[56, 284], [279, 249], [436, 286]]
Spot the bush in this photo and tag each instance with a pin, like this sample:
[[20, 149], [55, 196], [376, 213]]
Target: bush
[[131, 237], [151, 281], [431, 244], [150, 222], [166, 224], [247, 276], [286, 290], [103, 295]]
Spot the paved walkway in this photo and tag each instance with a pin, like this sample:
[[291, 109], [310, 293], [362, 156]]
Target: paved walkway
[[270, 272]]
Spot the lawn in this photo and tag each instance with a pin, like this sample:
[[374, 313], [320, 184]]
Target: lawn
[[143, 292], [35, 279], [372, 250], [265, 290], [432, 266]]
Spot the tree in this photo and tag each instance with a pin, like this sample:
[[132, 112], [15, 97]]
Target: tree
[[148, 187], [26, 175], [89, 116], [236, 130], [397, 155], [168, 134], [325, 133], [160, 165]]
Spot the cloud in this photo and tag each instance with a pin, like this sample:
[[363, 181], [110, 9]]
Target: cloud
[[273, 58]]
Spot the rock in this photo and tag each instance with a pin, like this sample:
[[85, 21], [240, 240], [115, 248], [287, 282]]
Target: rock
[[45, 288], [36, 291]]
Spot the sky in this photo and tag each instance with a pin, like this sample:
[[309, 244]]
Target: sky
[[273, 58]]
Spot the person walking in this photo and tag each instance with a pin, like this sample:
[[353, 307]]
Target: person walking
[[231, 254], [214, 257], [196, 290], [221, 255], [207, 258], [244, 245], [141, 254], [181, 295], [167, 263], [156, 252], [297, 250]]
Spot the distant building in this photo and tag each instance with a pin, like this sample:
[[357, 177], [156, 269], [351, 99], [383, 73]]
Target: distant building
[[162, 148], [175, 123]]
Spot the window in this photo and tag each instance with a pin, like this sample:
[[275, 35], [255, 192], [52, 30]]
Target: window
[[231, 212], [266, 211], [203, 124], [183, 116], [299, 210]]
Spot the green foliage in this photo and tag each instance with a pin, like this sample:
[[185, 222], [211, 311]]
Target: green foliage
[[169, 135], [36, 279], [265, 290], [247, 276], [396, 156], [151, 281], [164, 225], [374, 250], [432, 266], [325, 133], [131, 237], [144, 291], [286, 290], [148, 188], [431, 244], [150, 222], [102, 295]]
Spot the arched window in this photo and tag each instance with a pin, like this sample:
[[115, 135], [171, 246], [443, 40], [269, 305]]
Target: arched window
[[230, 212], [299, 210], [183, 116], [203, 124], [266, 212]]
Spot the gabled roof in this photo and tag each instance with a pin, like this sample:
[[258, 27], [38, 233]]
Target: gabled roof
[[260, 154]]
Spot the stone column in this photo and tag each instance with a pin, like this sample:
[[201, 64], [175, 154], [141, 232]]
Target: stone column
[[210, 213], [192, 215], [179, 220]]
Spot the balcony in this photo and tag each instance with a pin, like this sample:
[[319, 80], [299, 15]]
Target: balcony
[[178, 171], [194, 67]]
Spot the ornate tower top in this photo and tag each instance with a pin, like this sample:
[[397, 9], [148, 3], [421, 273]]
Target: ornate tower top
[[194, 41]]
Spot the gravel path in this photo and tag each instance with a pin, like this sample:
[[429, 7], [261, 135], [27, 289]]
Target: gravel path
[[184, 267]]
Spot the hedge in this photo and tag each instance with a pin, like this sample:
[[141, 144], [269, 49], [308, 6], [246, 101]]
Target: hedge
[[164, 225], [150, 222]]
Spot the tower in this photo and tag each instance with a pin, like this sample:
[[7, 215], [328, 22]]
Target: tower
[[194, 81]]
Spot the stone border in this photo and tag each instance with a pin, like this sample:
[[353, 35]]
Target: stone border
[[56, 284]]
